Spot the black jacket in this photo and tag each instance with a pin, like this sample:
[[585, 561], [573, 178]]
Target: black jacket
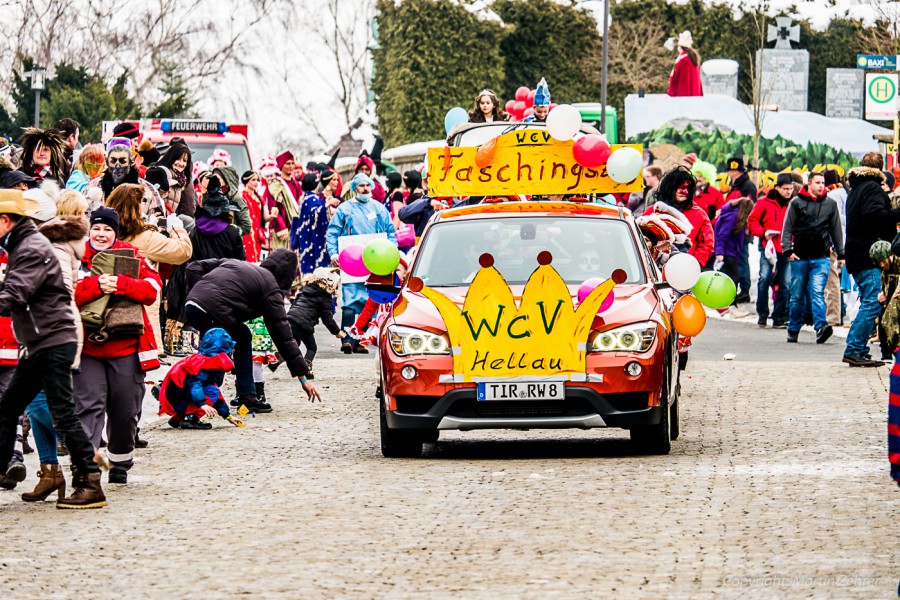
[[225, 244], [812, 226], [869, 217], [310, 305], [33, 292], [233, 291], [744, 187]]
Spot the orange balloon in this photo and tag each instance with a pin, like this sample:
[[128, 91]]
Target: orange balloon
[[485, 153], [688, 317]]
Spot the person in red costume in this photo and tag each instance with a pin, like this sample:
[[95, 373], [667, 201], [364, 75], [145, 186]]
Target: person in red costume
[[685, 77], [676, 197]]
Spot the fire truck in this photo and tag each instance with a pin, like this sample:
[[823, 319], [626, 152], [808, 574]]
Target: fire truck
[[203, 137]]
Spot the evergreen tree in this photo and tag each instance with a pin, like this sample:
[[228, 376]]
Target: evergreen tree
[[432, 55]]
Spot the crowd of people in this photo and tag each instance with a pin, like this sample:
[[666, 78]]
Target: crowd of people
[[121, 257]]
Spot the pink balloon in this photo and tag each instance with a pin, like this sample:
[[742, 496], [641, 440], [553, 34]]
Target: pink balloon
[[589, 286], [351, 261]]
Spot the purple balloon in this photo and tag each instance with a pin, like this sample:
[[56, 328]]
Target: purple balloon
[[589, 286], [351, 261]]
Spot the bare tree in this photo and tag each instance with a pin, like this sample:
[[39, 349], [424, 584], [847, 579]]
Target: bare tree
[[637, 56], [884, 36], [755, 89]]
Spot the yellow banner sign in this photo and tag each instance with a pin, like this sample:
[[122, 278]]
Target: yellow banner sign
[[523, 162]]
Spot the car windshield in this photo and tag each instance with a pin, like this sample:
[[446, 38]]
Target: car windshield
[[582, 248], [240, 159]]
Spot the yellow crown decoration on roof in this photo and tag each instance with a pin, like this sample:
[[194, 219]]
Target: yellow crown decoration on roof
[[544, 335]]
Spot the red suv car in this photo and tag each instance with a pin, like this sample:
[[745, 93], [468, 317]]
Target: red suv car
[[485, 334]]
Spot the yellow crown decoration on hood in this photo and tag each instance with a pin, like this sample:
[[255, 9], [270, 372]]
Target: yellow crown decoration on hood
[[493, 338]]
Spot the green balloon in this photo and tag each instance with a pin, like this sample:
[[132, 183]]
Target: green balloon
[[381, 257], [715, 290]]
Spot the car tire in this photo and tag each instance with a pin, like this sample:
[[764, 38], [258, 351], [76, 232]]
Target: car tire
[[399, 443], [655, 439], [674, 420]]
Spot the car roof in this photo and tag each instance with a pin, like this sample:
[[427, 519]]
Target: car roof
[[541, 208]]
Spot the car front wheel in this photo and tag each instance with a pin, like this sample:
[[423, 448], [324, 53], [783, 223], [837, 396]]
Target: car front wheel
[[399, 443], [655, 439]]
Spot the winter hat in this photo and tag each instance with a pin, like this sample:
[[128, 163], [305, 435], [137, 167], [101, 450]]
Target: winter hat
[[685, 39], [735, 164], [365, 160], [118, 141], [148, 152], [267, 166], [707, 170], [879, 251], [394, 180], [126, 130], [309, 182], [11, 177], [889, 179], [784, 179], [198, 168], [222, 155], [46, 197], [326, 278], [215, 202], [158, 178], [542, 93], [106, 216], [282, 158], [358, 179], [831, 176], [216, 341], [412, 179]]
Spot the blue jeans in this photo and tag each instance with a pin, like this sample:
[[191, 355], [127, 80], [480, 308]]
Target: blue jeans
[[782, 270], [42, 427], [744, 267], [869, 283], [809, 276]]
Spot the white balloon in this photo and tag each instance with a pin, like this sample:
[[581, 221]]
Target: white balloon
[[682, 272], [563, 122], [624, 164]]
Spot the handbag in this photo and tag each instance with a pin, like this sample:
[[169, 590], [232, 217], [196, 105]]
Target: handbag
[[406, 236]]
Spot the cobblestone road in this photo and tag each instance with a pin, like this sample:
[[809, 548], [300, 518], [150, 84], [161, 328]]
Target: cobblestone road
[[778, 487]]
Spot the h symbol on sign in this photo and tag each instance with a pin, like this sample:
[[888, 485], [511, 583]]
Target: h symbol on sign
[[882, 90]]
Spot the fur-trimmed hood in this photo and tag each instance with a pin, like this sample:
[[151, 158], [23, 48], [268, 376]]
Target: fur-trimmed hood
[[666, 212], [857, 175], [61, 230]]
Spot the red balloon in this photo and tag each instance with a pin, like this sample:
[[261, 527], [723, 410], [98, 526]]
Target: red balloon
[[529, 101], [528, 112], [591, 151], [522, 93], [553, 105], [519, 109], [509, 105]]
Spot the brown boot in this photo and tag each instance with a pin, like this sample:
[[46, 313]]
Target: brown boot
[[51, 479], [87, 494]]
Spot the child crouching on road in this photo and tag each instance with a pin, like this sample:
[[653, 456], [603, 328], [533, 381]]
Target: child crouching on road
[[190, 389], [315, 302]]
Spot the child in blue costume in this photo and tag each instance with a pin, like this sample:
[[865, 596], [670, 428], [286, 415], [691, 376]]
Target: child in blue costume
[[190, 389]]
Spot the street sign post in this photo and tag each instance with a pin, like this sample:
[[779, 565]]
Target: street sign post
[[881, 96], [885, 62]]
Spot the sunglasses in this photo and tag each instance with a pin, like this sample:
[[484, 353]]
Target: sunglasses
[[121, 160]]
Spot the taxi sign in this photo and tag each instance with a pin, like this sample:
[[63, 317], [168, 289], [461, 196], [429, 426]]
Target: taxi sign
[[527, 161]]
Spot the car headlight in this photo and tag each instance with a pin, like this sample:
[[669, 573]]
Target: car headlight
[[637, 337], [407, 341]]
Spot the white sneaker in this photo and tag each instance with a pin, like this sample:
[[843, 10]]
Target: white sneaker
[[737, 313]]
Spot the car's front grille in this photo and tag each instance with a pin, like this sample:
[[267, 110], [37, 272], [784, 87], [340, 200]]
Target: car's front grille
[[415, 405], [628, 401]]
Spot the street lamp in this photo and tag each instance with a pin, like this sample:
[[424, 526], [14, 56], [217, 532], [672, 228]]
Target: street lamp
[[38, 77]]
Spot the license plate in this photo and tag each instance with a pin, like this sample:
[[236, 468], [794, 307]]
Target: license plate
[[522, 390]]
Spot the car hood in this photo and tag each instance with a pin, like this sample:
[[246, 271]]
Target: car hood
[[633, 303]]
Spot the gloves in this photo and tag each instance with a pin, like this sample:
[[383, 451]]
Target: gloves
[[717, 265], [173, 222], [152, 219]]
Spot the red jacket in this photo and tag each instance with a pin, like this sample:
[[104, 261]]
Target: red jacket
[[9, 347], [143, 290], [710, 200], [768, 215], [685, 78]]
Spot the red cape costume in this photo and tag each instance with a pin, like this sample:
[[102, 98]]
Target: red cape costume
[[191, 365], [685, 79]]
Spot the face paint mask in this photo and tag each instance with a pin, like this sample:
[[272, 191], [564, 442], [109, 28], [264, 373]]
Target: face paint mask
[[363, 197], [118, 174]]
